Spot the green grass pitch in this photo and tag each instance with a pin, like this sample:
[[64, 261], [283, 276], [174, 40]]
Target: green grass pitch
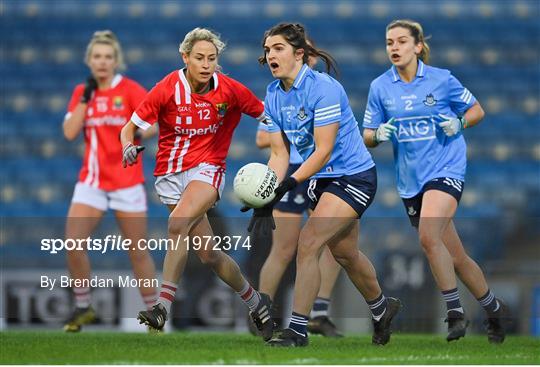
[[221, 348]]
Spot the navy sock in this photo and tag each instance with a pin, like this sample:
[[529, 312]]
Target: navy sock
[[451, 297], [489, 302], [378, 307], [299, 323], [320, 307]]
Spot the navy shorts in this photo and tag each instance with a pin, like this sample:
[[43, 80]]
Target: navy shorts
[[449, 185], [357, 190], [296, 200]]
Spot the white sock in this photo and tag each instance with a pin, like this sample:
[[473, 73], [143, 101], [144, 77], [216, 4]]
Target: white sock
[[166, 295], [82, 297], [250, 296]]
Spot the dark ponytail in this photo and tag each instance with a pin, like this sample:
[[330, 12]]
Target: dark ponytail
[[295, 35]]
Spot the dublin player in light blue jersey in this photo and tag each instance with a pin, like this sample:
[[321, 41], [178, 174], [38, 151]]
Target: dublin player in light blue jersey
[[311, 111], [289, 212], [423, 111]]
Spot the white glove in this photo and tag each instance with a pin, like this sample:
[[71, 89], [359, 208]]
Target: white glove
[[384, 131], [130, 153], [452, 125]]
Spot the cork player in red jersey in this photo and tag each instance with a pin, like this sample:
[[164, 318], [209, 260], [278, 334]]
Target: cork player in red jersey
[[100, 108], [197, 109]]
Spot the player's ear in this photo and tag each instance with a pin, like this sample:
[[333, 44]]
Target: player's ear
[[299, 54], [185, 57], [418, 48]]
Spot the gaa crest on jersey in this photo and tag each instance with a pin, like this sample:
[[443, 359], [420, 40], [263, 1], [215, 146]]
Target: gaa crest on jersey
[[222, 109], [301, 114], [184, 111], [430, 101], [118, 103]]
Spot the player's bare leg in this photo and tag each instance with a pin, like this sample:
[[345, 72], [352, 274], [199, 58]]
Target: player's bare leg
[[357, 266], [193, 204], [363, 275], [284, 244], [228, 270], [323, 225], [330, 270], [189, 213], [195, 201], [81, 221], [315, 234], [438, 208], [134, 227], [221, 263], [331, 223], [282, 251], [472, 276], [466, 268], [319, 322]]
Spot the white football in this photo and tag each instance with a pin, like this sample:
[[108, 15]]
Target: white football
[[254, 184]]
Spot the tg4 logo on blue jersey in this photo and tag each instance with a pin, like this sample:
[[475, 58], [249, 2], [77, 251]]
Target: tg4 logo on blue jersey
[[302, 139]]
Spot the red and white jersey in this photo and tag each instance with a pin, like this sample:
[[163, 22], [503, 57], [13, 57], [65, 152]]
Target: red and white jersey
[[195, 128], [107, 112]]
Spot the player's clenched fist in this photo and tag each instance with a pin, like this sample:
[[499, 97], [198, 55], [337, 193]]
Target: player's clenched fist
[[130, 153]]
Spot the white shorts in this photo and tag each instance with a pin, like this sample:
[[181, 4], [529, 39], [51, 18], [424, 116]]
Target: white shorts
[[131, 199], [170, 187]]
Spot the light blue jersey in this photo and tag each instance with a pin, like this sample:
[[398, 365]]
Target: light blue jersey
[[294, 156], [421, 149], [315, 100]]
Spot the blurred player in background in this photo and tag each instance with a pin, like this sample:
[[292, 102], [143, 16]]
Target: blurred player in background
[[310, 110], [198, 109], [101, 108], [289, 211], [423, 110]]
